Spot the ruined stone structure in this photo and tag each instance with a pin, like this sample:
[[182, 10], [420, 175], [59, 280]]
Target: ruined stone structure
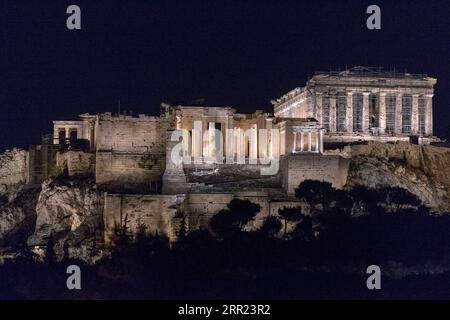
[[362, 104], [225, 155]]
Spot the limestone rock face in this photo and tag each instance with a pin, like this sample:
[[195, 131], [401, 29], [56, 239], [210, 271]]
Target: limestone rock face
[[17, 200], [18, 217], [70, 213], [424, 171], [13, 173]]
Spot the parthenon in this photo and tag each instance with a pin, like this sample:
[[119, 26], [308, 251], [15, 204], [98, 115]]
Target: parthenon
[[364, 104]]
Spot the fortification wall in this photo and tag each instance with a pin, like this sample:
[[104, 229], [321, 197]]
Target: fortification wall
[[129, 172], [232, 175], [297, 168], [203, 206], [129, 134], [77, 162], [163, 214], [158, 213]]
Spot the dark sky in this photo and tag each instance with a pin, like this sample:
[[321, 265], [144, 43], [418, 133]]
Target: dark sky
[[238, 53]]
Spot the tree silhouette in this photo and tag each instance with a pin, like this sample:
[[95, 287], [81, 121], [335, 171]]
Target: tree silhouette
[[182, 232], [235, 217], [271, 226], [291, 215], [321, 196], [304, 229], [366, 200], [315, 193], [243, 211]]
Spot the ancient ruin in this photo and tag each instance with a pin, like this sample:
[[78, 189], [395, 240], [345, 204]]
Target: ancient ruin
[[224, 152]]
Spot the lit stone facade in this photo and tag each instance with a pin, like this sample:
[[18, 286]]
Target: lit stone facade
[[224, 152], [364, 104]]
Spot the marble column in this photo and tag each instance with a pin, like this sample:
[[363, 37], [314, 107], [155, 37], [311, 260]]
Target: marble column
[[301, 141], [229, 146], [294, 143], [317, 141], [309, 141], [253, 145], [240, 145], [415, 114], [349, 112], [321, 141], [318, 111], [197, 142], [269, 138], [186, 140], [211, 140], [429, 115], [56, 135], [333, 114], [205, 133], [382, 112], [398, 113], [366, 113]]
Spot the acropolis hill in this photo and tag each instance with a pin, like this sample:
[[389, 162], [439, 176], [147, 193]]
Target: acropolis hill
[[360, 126]]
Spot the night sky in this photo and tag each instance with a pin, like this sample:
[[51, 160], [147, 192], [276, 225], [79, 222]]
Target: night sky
[[237, 53]]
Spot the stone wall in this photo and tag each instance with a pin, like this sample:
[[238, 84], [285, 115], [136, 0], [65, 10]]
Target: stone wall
[[158, 213], [232, 175], [77, 162], [130, 154], [129, 172], [297, 168], [201, 207], [13, 169], [41, 162], [130, 134]]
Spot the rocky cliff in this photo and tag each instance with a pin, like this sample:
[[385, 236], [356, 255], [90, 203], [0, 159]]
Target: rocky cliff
[[17, 200], [422, 170], [13, 173], [70, 212], [67, 210]]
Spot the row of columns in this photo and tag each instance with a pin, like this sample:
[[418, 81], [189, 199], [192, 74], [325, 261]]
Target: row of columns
[[204, 142], [306, 135], [67, 130], [381, 113]]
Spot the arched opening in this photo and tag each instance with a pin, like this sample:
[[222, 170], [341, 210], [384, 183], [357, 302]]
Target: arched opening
[[326, 113]]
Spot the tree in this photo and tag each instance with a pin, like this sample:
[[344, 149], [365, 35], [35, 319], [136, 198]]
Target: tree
[[367, 199], [182, 232], [304, 229], [322, 193], [243, 211], [291, 215], [235, 217], [271, 226], [315, 193]]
